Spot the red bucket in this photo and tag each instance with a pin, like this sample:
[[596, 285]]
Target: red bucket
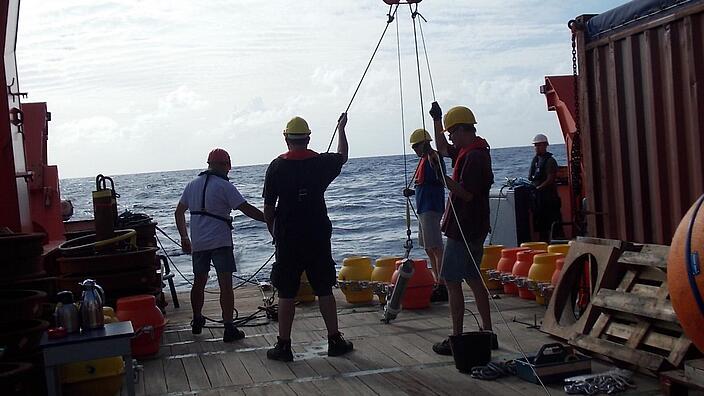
[[147, 320]]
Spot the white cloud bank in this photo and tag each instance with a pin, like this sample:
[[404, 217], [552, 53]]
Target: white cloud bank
[[137, 86]]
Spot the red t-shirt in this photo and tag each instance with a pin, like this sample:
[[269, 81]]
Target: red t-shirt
[[473, 172]]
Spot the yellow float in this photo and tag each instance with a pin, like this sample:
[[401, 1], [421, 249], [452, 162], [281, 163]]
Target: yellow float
[[541, 271], [305, 291], [535, 245], [358, 271], [382, 272]]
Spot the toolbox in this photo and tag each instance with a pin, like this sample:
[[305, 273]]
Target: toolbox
[[553, 363]]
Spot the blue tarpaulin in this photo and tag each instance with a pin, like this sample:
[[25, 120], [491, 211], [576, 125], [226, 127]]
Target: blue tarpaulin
[[629, 13]]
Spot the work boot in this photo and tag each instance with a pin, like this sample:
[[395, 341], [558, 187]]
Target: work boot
[[281, 351], [197, 324], [443, 347], [338, 346], [232, 333], [439, 293]]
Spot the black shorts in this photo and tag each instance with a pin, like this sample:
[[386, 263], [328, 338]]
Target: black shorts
[[292, 258]]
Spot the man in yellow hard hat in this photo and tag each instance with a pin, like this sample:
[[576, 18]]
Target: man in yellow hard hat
[[466, 219], [546, 205], [430, 204], [210, 198], [295, 211]]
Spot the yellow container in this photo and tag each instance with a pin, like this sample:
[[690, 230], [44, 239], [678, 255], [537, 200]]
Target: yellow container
[[490, 259], [535, 245], [93, 377], [383, 270], [541, 271], [561, 248], [305, 291], [359, 269]]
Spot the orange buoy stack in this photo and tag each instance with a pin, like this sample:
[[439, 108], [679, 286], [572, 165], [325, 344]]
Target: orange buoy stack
[[524, 260], [490, 259], [685, 276], [420, 286], [505, 266]]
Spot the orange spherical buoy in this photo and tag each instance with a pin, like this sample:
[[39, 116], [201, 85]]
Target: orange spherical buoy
[[684, 273], [505, 266], [524, 260], [420, 286]]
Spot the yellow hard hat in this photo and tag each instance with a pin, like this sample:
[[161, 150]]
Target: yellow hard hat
[[459, 115], [420, 135], [297, 128]]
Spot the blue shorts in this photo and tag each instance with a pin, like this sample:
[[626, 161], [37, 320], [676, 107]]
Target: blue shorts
[[457, 265], [223, 259]]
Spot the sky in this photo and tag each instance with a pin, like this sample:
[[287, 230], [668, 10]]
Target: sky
[[144, 86]]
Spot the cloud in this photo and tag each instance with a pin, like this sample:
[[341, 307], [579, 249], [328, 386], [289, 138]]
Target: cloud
[[148, 86]]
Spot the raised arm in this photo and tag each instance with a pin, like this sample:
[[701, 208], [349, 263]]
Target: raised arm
[[342, 147], [440, 140]]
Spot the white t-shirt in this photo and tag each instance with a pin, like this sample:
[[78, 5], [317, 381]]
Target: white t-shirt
[[221, 197]]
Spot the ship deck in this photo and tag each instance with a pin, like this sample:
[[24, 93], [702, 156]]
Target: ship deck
[[388, 359]]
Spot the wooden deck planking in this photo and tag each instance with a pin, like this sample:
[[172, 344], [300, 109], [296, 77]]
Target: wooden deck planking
[[216, 372], [235, 369], [175, 376], [389, 359], [195, 372]]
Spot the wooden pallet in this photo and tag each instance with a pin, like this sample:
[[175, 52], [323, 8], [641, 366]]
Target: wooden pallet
[[634, 322]]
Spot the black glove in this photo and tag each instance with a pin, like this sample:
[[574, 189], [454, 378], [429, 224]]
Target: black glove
[[407, 192], [435, 111]]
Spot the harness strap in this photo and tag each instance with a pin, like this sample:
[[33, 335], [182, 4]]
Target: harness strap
[[203, 211]]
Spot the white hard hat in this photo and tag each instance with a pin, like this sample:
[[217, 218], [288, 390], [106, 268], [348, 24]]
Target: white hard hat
[[540, 138]]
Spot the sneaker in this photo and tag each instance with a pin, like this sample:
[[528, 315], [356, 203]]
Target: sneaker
[[439, 294], [232, 333], [443, 347], [197, 324], [338, 346], [281, 351]]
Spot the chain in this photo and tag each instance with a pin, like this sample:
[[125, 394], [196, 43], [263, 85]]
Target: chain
[[576, 152]]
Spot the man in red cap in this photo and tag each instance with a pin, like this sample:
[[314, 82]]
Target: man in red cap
[[210, 198]]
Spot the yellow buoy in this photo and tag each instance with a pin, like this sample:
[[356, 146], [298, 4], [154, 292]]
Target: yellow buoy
[[357, 269], [305, 291], [535, 245], [541, 271], [490, 259], [382, 272], [559, 248]]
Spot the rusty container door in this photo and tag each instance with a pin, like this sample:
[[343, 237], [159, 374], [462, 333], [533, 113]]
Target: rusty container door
[[642, 114]]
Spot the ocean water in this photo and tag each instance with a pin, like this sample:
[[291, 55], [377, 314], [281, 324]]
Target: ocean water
[[365, 205]]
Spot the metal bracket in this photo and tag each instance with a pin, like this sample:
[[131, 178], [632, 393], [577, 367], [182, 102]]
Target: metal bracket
[[15, 94]]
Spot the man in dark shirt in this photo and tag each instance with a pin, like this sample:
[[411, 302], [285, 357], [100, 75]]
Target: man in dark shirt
[[297, 217], [466, 219], [546, 207]]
